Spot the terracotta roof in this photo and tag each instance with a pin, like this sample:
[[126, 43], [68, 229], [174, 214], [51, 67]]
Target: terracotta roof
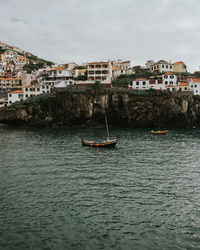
[[22, 58], [196, 80], [141, 79], [169, 73], [57, 69], [82, 70], [180, 62], [183, 84], [116, 68], [17, 92], [98, 63], [10, 78], [171, 86]]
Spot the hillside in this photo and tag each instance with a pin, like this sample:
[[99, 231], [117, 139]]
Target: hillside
[[33, 62]]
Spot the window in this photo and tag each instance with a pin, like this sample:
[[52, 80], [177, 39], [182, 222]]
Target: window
[[185, 88], [166, 82], [191, 86], [195, 86], [165, 77], [162, 66], [26, 95], [10, 95], [170, 67], [166, 66], [38, 89], [137, 83], [43, 87], [26, 89], [171, 82], [144, 83], [171, 77]]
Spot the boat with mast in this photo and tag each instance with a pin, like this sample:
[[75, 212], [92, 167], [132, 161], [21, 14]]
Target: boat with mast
[[108, 143]]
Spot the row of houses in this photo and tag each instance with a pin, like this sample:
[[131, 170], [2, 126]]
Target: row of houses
[[167, 81]]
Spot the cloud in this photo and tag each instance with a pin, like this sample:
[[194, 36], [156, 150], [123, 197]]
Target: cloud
[[90, 30]]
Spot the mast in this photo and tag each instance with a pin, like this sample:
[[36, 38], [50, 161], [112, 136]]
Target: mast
[[107, 127]]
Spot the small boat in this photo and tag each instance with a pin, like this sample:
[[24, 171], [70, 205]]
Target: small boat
[[159, 132], [100, 144], [108, 143]]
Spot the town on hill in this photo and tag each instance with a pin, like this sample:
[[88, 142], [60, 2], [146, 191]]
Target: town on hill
[[24, 75]]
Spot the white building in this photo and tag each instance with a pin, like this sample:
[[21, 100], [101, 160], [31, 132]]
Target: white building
[[33, 90], [170, 78], [55, 77], [194, 85], [15, 96], [139, 83], [156, 83], [117, 71], [161, 67], [100, 71]]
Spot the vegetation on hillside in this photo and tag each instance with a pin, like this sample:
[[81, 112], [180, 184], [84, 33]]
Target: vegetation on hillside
[[124, 80]]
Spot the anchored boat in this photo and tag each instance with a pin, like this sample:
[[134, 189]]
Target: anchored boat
[[159, 132], [108, 143]]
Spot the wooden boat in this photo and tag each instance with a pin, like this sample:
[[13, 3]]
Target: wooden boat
[[101, 144], [159, 132]]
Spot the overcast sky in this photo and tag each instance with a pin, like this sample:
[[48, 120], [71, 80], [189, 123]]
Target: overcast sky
[[92, 30]]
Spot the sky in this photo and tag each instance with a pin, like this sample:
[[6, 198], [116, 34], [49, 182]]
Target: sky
[[81, 31]]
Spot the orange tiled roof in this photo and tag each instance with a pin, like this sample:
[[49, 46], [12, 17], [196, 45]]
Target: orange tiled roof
[[183, 84], [22, 58], [180, 62], [116, 68], [17, 92], [169, 73], [57, 69], [98, 63], [171, 86], [141, 79], [196, 80]]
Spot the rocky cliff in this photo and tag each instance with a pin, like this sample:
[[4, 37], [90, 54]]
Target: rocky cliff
[[123, 107]]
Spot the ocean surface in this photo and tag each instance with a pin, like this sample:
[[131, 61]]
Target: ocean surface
[[56, 194]]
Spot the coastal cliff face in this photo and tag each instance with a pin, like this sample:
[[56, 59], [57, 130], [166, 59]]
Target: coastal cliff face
[[123, 108]]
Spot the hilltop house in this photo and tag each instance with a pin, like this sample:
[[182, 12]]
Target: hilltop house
[[180, 67], [161, 67]]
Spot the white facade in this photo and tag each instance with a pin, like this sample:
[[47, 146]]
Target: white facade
[[169, 79], [139, 83], [15, 96], [56, 76], [156, 83], [194, 85], [33, 90], [162, 66], [100, 71]]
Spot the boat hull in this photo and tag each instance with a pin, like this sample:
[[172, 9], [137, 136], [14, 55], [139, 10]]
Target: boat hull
[[159, 132], [100, 144]]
